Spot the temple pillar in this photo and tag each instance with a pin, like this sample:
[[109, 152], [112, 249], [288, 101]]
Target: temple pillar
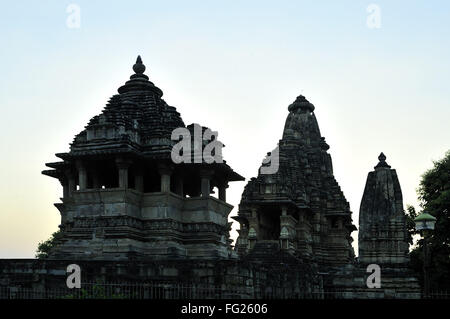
[[205, 186], [205, 176], [82, 175], [222, 191], [165, 182], [71, 184], [179, 186], [96, 180], [65, 185], [123, 165], [139, 179], [165, 172]]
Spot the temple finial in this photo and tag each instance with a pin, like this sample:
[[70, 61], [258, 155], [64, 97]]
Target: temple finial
[[382, 161], [301, 103], [139, 67], [138, 80]]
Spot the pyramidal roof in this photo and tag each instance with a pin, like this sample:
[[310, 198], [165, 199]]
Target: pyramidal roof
[[136, 119], [136, 122]]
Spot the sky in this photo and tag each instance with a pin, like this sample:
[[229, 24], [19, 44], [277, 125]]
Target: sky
[[377, 73]]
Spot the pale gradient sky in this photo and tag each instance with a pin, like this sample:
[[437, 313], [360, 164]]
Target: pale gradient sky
[[233, 66]]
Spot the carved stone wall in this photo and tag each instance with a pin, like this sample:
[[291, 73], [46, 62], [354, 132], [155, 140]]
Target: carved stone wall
[[121, 224]]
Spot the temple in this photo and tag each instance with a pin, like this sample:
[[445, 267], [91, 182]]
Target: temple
[[382, 240], [296, 206], [300, 208], [382, 221], [124, 197], [132, 212]]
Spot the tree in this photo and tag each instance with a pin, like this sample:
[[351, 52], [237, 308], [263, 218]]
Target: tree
[[45, 247], [434, 196], [410, 224]]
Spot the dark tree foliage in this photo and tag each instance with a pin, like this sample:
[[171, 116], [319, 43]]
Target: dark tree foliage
[[434, 195], [410, 224], [45, 246]]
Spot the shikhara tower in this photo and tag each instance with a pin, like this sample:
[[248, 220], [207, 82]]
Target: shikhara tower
[[301, 207], [383, 235], [123, 197]]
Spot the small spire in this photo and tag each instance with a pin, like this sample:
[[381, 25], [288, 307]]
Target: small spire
[[382, 161], [139, 67]]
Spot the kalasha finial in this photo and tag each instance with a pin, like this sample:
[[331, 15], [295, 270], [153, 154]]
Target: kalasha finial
[[139, 67], [382, 163]]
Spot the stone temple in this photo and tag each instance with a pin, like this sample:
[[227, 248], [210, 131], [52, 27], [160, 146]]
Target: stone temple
[[129, 212], [124, 197], [300, 208], [383, 236]]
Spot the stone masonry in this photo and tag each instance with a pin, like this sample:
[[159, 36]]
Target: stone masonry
[[123, 197]]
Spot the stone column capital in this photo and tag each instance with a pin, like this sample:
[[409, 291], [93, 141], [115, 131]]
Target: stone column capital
[[139, 169], [79, 164], [69, 173], [206, 173], [165, 169], [222, 183], [122, 162]]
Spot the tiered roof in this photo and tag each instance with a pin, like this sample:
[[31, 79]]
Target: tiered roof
[[136, 121]]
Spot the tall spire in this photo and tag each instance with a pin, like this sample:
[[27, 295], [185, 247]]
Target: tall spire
[[382, 221]]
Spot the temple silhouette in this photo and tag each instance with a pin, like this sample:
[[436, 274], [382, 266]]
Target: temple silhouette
[[128, 212]]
